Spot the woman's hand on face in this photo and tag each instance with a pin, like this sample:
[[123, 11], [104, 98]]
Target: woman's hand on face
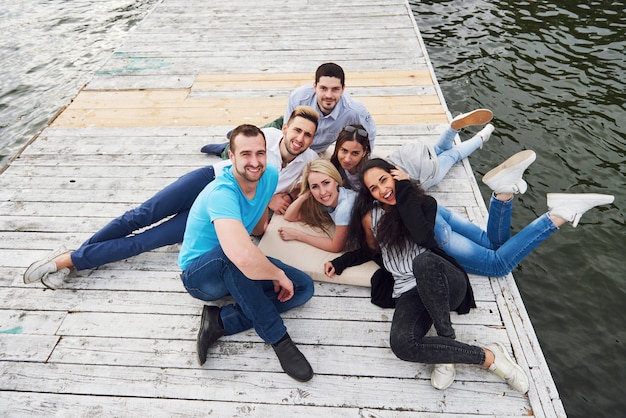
[[399, 174], [329, 269], [288, 234]]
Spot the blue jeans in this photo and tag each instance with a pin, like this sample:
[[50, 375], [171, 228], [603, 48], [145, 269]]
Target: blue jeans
[[448, 154], [493, 252], [114, 241], [441, 286], [213, 276]]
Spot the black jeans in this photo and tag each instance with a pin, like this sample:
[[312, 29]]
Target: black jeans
[[441, 287]]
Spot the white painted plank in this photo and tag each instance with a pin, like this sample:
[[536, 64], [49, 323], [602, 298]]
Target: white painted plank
[[278, 388]]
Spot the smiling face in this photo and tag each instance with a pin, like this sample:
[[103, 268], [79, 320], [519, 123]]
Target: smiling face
[[349, 155], [324, 189], [381, 185], [298, 135], [328, 91], [249, 159]]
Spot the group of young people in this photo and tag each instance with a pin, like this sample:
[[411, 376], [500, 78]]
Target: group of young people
[[372, 208]]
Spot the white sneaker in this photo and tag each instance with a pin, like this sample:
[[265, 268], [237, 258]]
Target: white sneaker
[[507, 177], [475, 117], [55, 280], [571, 206], [38, 269], [443, 376], [485, 133], [504, 367]]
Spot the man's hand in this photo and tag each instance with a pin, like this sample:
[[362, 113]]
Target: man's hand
[[329, 269], [284, 288], [279, 203]]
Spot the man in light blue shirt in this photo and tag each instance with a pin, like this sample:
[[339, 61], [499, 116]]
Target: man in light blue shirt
[[335, 108]]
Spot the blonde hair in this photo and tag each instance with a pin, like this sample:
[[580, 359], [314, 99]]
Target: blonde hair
[[305, 112], [312, 212]]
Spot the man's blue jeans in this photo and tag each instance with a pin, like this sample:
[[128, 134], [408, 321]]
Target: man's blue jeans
[[493, 252], [114, 241], [213, 276]]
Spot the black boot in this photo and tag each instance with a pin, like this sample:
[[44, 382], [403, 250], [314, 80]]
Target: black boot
[[209, 332], [292, 360], [214, 149]]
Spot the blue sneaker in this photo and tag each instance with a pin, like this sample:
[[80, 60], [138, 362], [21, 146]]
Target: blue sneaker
[[215, 149]]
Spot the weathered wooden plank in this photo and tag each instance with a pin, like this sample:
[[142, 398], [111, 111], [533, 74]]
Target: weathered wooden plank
[[305, 331], [250, 357], [33, 323], [120, 301], [17, 347], [134, 109], [18, 405], [164, 277], [138, 99], [253, 81], [278, 388]]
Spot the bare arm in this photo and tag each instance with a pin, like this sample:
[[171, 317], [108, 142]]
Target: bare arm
[[292, 214], [333, 244], [366, 221], [261, 226], [248, 258]]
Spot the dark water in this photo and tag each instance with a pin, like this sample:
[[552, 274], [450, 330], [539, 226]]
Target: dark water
[[48, 50], [554, 72]]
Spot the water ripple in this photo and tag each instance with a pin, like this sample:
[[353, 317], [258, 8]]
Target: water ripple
[[554, 73]]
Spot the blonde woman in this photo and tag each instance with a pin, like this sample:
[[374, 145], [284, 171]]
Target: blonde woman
[[322, 203]]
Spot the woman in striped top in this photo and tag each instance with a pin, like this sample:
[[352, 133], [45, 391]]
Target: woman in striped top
[[428, 283]]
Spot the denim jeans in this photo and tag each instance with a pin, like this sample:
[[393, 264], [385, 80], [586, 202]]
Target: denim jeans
[[213, 276], [115, 241], [448, 154], [440, 287], [493, 252]]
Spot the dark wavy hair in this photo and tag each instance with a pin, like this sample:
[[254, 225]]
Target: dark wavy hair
[[345, 136], [391, 231]]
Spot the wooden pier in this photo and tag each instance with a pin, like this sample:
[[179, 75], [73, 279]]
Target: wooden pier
[[120, 340]]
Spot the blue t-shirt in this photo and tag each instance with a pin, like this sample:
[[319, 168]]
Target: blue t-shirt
[[341, 214], [223, 199]]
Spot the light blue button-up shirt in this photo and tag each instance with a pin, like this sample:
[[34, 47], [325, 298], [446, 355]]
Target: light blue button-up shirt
[[347, 112]]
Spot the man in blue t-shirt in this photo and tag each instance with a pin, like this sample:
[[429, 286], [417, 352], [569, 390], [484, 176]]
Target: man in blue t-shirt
[[219, 259]]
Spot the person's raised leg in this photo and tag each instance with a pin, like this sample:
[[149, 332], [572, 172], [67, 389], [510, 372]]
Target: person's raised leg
[[475, 117], [453, 155]]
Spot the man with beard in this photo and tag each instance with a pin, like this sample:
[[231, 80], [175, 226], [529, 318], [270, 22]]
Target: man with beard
[[326, 96], [218, 258], [165, 214]]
